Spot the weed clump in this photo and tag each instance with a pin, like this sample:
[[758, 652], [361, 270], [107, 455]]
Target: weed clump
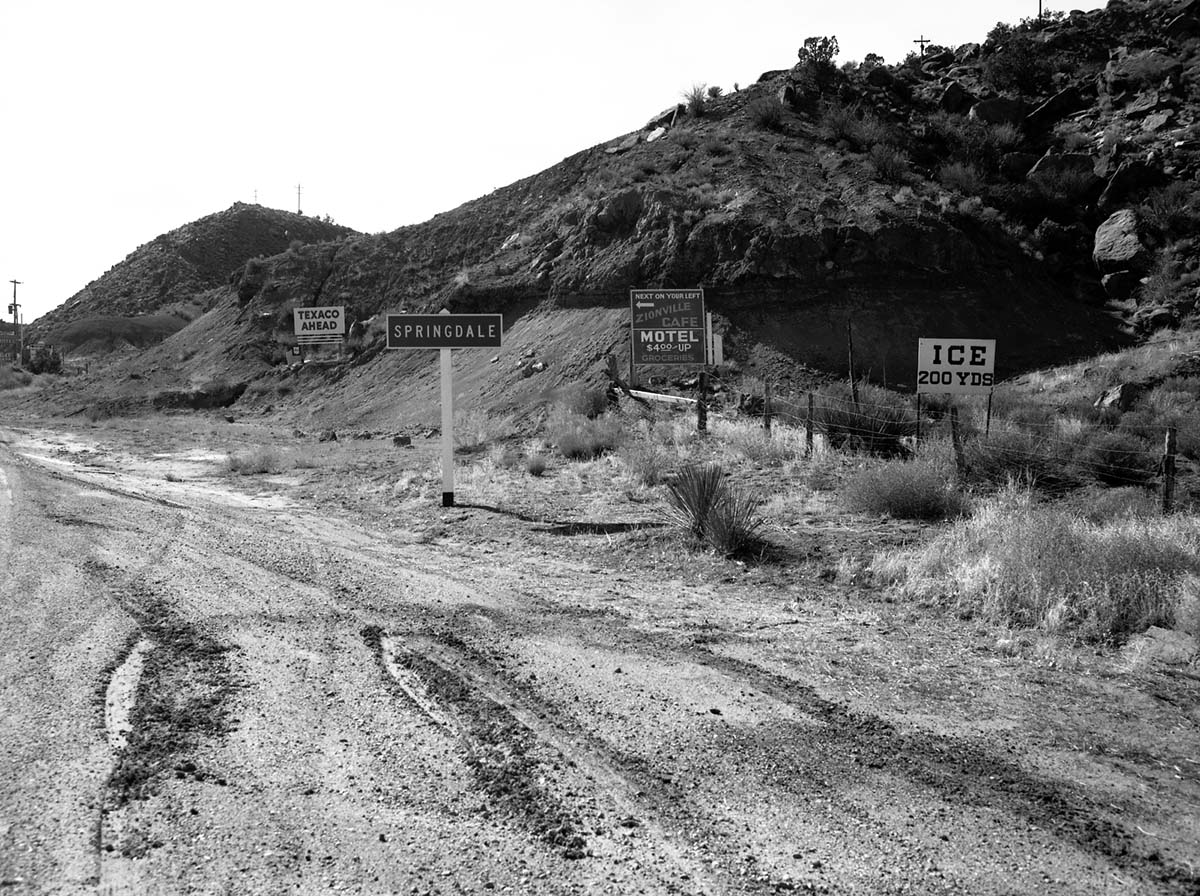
[[581, 438], [904, 489], [255, 461], [875, 423]]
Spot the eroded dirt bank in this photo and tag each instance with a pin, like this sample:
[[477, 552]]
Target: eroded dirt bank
[[507, 698]]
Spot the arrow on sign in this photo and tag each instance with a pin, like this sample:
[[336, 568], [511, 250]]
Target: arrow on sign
[[645, 304]]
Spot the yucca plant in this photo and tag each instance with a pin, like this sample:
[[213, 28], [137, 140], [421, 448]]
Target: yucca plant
[[702, 503]]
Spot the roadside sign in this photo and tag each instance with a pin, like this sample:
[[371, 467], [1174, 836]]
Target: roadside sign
[[319, 324], [668, 326], [956, 365], [444, 330]]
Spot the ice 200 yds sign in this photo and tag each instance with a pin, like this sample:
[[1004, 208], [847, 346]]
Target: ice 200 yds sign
[[956, 365], [668, 326]]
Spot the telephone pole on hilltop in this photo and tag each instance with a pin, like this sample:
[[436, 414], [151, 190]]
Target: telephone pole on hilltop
[[13, 309], [298, 210]]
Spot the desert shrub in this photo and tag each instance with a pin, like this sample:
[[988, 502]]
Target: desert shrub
[[581, 399], [579, 438], [904, 489], [1020, 64], [253, 276], [701, 502], [1171, 210], [1027, 564], [1117, 458], [647, 461], [840, 122], [695, 99], [1014, 455], [253, 461], [12, 378], [717, 147], [535, 464], [476, 428], [961, 176], [766, 113], [714, 92], [1067, 186], [875, 424], [890, 164]]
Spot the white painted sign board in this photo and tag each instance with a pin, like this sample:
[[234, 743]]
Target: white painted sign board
[[319, 324], [963, 366]]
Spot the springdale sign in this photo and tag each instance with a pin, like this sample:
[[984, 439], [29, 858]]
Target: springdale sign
[[963, 366], [444, 330], [319, 324]]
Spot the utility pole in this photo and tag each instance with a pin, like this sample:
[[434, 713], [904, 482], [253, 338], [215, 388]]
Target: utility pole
[[13, 309], [923, 40], [298, 211]]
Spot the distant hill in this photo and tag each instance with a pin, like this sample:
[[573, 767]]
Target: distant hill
[[1038, 187], [164, 284]]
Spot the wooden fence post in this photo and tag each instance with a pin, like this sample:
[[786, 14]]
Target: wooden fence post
[[956, 439], [767, 407], [1168, 485], [808, 427], [702, 402]]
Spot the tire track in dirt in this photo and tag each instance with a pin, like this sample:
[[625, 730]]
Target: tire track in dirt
[[523, 761], [957, 771]]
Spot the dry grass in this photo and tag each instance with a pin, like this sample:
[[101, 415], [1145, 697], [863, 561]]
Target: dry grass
[[1033, 565]]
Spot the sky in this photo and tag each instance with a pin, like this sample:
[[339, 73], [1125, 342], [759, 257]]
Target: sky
[[121, 120]]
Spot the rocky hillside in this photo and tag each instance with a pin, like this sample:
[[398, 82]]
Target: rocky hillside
[[162, 285], [1038, 187]]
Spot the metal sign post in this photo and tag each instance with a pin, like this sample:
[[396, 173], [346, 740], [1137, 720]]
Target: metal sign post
[[445, 331]]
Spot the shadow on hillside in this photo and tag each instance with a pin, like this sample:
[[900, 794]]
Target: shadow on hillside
[[571, 527]]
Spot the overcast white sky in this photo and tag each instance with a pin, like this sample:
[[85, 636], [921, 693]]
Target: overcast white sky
[[122, 120]]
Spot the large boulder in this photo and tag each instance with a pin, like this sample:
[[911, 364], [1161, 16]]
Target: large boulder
[[1066, 163], [956, 99], [1054, 110], [1119, 245], [1000, 110], [1132, 175], [1120, 285]]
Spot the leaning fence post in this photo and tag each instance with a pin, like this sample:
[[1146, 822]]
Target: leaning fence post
[[956, 440], [767, 406], [808, 427], [1168, 485], [702, 402]]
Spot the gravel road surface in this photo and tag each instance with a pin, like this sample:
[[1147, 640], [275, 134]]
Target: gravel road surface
[[210, 692]]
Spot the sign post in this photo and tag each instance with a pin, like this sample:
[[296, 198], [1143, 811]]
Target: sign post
[[445, 331]]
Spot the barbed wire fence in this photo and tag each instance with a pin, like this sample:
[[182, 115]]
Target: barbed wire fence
[[1057, 453]]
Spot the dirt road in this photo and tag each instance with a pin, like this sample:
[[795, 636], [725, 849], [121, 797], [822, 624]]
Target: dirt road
[[208, 690]]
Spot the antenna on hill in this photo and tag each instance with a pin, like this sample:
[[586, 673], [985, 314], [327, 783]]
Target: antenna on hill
[[922, 40], [298, 211]]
